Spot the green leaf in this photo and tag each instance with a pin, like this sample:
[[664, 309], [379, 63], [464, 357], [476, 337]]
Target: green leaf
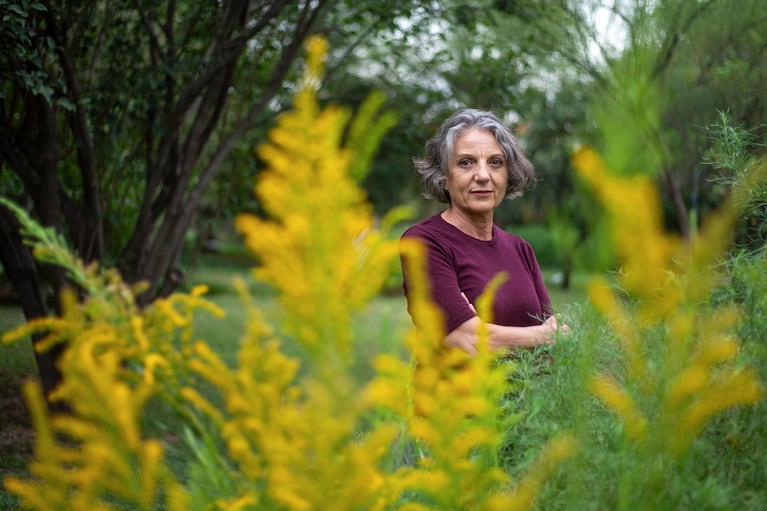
[[365, 133]]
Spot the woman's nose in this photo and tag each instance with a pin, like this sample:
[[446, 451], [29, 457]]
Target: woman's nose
[[482, 171]]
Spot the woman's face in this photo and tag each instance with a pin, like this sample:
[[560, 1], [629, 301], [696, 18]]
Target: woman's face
[[477, 176]]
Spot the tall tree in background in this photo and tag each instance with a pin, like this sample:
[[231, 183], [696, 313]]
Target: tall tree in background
[[683, 62], [719, 64], [115, 117]]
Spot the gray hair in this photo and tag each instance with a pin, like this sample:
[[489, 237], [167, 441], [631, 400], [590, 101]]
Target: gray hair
[[434, 167]]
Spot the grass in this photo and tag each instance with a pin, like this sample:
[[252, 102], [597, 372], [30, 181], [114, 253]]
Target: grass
[[378, 328], [16, 363], [16, 359], [563, 298], [725, 467]]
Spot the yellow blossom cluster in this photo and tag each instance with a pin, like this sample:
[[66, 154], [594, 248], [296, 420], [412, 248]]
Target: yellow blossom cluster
[[452, 404], [680, 355], [295, 444], [94, 455], [267, 433], [318, 247]]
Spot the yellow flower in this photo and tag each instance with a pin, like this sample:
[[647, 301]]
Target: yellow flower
[[680, 358], [618, 399], [550, 458], [319, 248], [628, 333], [240, 503], [633, 207], [727, 388]]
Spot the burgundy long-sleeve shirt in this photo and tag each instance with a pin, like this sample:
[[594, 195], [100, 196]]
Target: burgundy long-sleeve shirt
[[458, 263]]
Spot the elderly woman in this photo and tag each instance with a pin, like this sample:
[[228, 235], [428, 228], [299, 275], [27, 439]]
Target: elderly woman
[[472, 164]]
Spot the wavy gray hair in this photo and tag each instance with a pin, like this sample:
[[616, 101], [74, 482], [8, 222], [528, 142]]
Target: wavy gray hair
[[433, 168]]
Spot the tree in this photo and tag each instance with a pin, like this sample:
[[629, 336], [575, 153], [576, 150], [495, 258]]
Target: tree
[[116, 117], [475, 53], [719, 65], [684, 61]]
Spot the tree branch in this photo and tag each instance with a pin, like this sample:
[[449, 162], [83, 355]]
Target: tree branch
[[168, 240], [89, 238]]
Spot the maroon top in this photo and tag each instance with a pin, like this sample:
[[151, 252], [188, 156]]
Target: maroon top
[[460, 263]]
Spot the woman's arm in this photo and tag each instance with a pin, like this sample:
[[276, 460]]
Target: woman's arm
[[503, 337]]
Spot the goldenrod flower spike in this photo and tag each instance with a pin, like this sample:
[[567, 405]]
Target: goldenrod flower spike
[[553, 454], [680, 353], [454, 417], [629, 335], [319, 248], [633, 207], [615, 397]]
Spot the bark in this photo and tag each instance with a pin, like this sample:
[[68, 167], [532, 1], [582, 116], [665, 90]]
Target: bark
[[86, 223], [677, 201], [31, 150], [19, 266], [174, 187]]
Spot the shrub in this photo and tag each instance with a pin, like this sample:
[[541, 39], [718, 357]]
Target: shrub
[[540, 238]]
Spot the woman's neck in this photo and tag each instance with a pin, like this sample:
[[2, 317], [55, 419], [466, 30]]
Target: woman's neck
[[480, 227]]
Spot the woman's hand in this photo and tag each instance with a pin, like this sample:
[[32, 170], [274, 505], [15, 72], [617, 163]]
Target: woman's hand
[[549, 329]]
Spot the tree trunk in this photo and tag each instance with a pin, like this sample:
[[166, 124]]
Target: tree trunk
[[19, 265], [677, 201], [31, 150]]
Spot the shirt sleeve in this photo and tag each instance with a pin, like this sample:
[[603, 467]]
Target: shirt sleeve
[[443, 279]]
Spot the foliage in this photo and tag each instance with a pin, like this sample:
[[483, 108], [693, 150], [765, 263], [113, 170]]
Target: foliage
[[616, 415], [732, 156], [21, 57], [104, 452], [679, 353], [540, 237], [698, 58], [166, 135], [657, 372], [262, 433], [450, 54]]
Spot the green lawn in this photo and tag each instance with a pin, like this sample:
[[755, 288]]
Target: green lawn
[[16, 359], [378, 328]]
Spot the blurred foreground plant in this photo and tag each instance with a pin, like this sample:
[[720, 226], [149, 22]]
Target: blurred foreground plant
[[117, 358], [264, 434], [680, 354]]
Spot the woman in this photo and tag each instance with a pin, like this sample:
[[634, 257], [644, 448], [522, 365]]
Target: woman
[[472, 164]]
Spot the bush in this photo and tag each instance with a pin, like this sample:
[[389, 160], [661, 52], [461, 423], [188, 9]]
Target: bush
[[540, 238]]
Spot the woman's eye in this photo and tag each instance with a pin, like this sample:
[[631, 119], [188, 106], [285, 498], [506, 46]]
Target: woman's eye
[[496, 162], [464, 163]]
